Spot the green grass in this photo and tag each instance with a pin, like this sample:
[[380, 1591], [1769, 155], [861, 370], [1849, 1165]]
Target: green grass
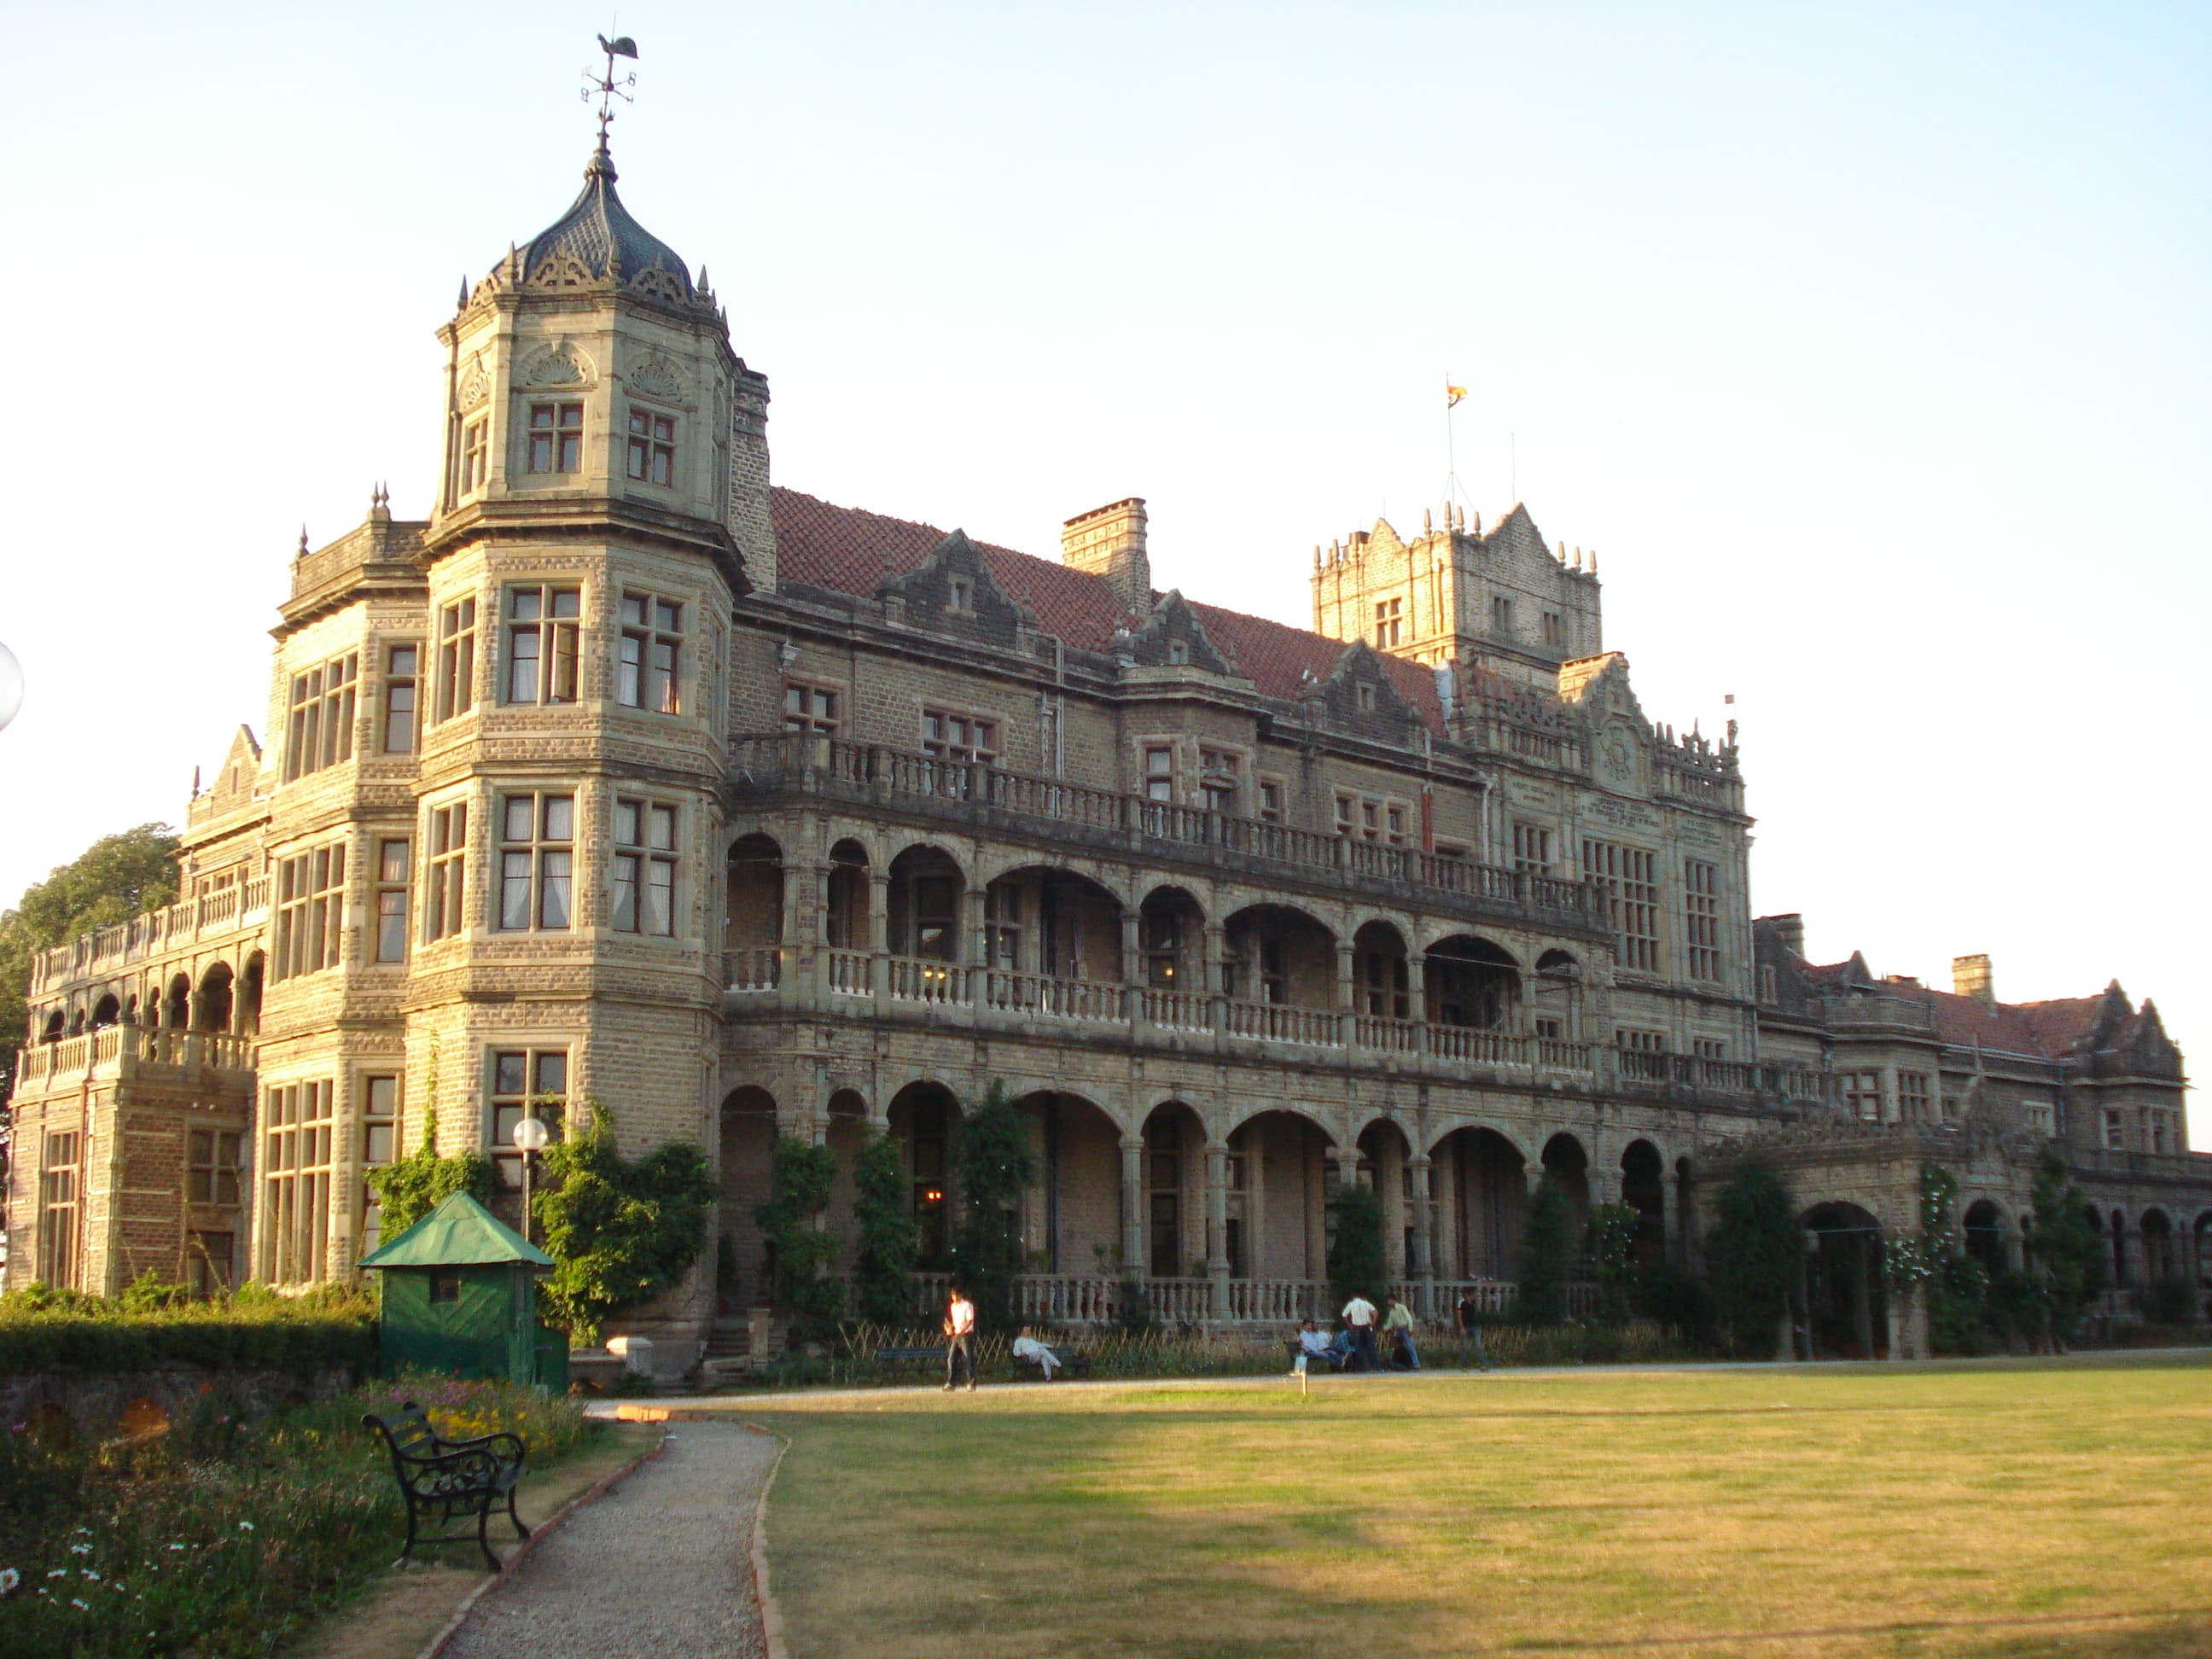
[[1828, 1511]]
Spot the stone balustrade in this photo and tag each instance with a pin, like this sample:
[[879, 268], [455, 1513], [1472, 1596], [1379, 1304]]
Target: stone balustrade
[[229, 911], [117, 1048]]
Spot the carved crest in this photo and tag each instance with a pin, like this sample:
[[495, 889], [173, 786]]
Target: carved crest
[[475, 384], [658, 283], [657, 377], [552, 368]]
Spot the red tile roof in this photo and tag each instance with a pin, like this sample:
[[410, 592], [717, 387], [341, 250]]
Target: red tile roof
[[847, 550], [2002, 1028], [2061, 1022]]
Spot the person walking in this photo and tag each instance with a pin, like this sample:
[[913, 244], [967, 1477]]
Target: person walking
[[959, 1337], [1470, 1330], [1359, 1321], [1399, 1322]]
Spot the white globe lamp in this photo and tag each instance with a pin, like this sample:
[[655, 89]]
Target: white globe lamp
[[11, 686]]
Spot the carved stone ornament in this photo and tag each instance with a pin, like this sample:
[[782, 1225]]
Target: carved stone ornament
[[554, 368], [657, 377], [475, 384], [1619, 763], [656, 283]]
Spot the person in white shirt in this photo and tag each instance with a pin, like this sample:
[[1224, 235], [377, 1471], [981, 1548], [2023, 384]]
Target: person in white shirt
[[959, 1334], [1315, 1343], [1359, 1320], [1026, 1346]]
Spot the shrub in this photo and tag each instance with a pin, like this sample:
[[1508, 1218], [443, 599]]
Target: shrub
[[994, 1168], [1673, 1299], [2170, 1300], [619, 1232], [1752, 1255], [408, 1189], [799, 1177], [883, 1251], [1605, 1240], [45, 1330], [1547, 1246], [2069, 1256], [1356, 1266]]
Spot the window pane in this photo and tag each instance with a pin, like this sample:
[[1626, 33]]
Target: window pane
[[626, 823], [518, 809], [553, 1073], [514, 891], [661, 898], [553, 909], [664, 828], [522, 665], [508, 1074], [560, 817], [624, 895]]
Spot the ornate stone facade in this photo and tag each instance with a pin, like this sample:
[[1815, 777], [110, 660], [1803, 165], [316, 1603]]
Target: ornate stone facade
[[627, 778]]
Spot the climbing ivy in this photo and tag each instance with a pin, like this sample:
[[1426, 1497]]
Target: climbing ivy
[[408, 1189], [799, 1175], [620, 1231], [2069, 1256], [887, 1238]]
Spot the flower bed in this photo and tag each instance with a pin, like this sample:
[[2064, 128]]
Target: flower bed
[[213, 1535]]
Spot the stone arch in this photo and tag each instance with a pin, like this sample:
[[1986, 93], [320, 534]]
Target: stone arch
[[1643, 1189], [1555, 997], [1071, 1219], [1381, 970], [107, 1012], [211, 1003], [57, 1027], [1279, 955], [845, 1131], [1982, 1229], [928, 904], [1567, 1162], [1386, 1155], [2120, 1262], [845, 909], [1171, 940], [1485, 1186], [752, 914], [176, 1009], [1473, 983], [2159, 1258], [250, 986], [1056, 923], [1174, 1188], [1846, 1314], [922, 1117], [745, 1263]]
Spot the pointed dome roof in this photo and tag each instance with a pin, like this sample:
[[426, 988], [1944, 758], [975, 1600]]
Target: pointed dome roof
[[597, 240]]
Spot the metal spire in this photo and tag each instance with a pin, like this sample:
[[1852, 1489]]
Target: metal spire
[[607, 86]]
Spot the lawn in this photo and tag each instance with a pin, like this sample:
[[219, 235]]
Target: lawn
[[1834, 1511]]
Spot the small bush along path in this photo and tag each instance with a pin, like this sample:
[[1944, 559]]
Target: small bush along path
[[1832, 1512]]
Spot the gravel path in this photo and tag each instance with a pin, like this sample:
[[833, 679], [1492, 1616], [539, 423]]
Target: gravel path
[[658, 1565]]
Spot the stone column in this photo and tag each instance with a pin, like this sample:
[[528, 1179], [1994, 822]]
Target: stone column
[[879, 935], [1347, 995], [1133, 1207], [1215, 942], [1217, 1227], [1417, 999], [1423, 1266]]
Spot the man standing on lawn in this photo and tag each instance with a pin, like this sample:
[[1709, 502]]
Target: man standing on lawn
[[959, 1334], [1359, 1320]]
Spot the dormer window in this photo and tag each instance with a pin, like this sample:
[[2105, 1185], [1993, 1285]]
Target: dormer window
[[964, 593], [653, 448], [1363, 695], [557, 437], [473, 456], [1179, 653]]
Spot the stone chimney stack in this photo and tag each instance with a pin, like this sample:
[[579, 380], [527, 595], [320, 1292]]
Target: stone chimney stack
[[1970, 976], [1109, 541]]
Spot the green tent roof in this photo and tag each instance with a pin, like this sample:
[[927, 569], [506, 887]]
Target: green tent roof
[[460, 1233]]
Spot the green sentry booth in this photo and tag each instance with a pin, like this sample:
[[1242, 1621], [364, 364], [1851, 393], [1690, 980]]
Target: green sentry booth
[[461, 1297]]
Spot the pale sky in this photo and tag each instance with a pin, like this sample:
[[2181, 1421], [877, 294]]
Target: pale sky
[[1868, 347]]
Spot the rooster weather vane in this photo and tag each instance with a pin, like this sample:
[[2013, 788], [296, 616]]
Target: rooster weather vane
[[605, 85]]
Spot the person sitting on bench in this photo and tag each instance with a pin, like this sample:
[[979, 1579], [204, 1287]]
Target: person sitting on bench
[[1314, 1343], [1026, 1346]]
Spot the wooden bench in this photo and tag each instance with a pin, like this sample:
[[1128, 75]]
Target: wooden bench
[[452, 1476]]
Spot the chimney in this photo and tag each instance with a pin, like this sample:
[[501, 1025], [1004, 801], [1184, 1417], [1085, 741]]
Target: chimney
[[1788, 930], [1109, 541], [1970, 976]]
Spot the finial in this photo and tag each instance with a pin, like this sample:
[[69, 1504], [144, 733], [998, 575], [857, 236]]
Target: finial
[[462, 304], [303, 541], [1316, 556], [1593, 561], [608, 89], [196, 783]]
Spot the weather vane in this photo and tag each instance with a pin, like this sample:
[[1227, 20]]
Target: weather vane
[[606, 86]]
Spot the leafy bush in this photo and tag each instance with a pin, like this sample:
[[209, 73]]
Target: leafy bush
[[887, 1235], [1752, 1256], [994, 1168], [1547, 1245], [1356, 1266], [1664, 1294], [2069, 1255], [223, 1537], [43, 1329], [619, 1232], [409, 1188], [1606, 1238], [799, 1177], [2170, 1300]]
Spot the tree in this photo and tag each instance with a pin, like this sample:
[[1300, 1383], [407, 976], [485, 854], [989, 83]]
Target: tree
[[115, 878], [1356, 1266], [619, 1232], [1607, 1239], [1752, 1256], [1546, 1249], [2069, 1256], [887, 1238], [408, 1189], [994, 1167], [799, 1175]]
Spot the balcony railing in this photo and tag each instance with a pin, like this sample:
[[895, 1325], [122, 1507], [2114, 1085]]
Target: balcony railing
[[227, 910], [1042, 995], [784, 762], [44, 1063], [752, 967]]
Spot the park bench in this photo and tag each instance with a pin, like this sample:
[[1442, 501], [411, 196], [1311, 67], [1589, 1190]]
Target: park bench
[[911, 1356], [452, 1476]]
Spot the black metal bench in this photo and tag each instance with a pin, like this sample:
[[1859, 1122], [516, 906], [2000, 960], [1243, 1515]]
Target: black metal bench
[[452, 1476]]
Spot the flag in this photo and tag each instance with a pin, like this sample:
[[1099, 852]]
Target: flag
[[1453, 394]]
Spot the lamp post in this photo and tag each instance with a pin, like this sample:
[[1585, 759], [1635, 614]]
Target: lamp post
[[529, 1135]]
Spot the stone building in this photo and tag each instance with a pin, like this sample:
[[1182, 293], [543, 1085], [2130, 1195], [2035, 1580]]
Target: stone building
[[626, 777]]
